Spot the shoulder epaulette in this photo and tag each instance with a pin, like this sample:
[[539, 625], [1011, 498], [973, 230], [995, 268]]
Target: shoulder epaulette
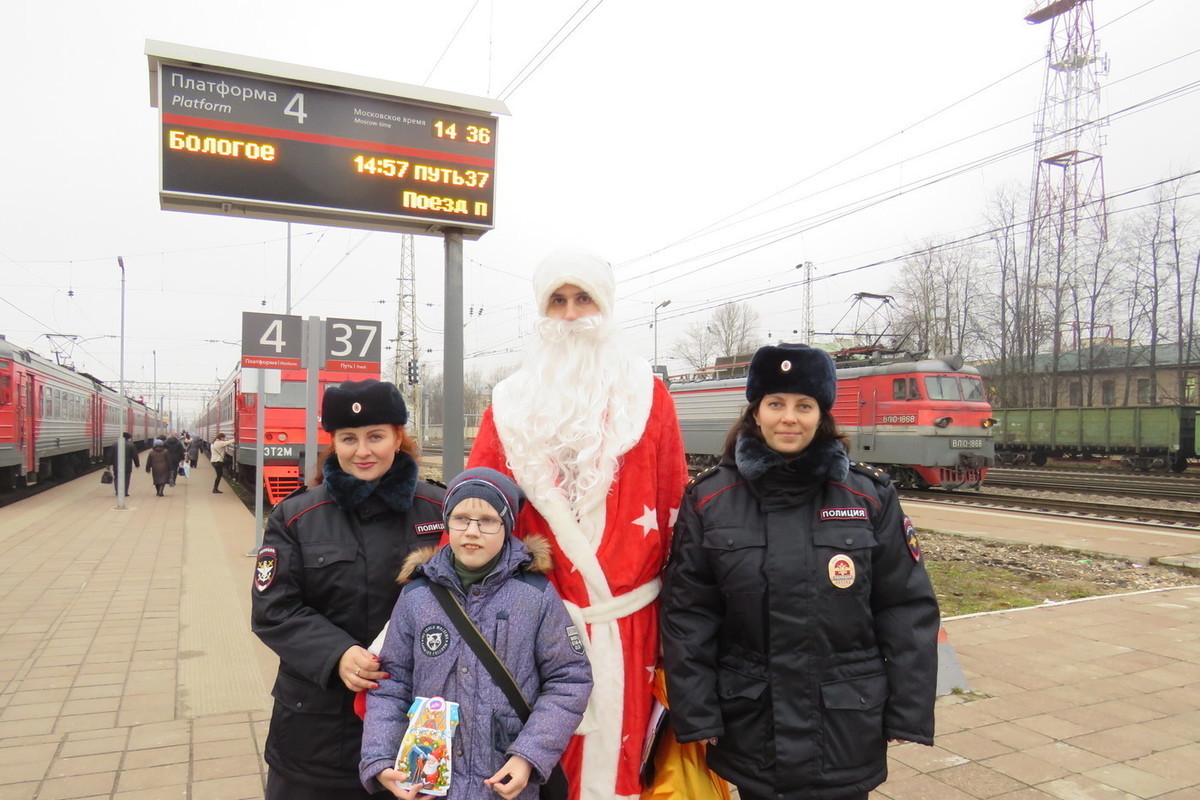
[[435, 483], [871, 471], [701, 476]]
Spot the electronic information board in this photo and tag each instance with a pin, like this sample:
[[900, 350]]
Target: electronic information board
[[276, 141]]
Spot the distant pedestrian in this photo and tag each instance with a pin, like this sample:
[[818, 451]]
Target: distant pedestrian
[[193, 451], [131, 461], [218, 459], [176, 450], [159, 465], [799, 627]]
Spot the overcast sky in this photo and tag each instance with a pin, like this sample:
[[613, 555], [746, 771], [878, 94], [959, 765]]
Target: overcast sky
[[704, 148]]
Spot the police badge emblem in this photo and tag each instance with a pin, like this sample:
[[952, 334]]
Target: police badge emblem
[[910, 538], [435, 640], [841, 571], [264, 568]]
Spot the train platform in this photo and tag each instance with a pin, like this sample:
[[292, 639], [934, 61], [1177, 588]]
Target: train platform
[[128, 670]]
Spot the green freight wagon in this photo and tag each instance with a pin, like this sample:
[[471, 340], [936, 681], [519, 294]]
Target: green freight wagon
[[1144, 437]]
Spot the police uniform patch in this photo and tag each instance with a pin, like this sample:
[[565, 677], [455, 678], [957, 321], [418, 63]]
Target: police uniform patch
[[430, 527], [575, 639], [264, 568], [841, 571], [435, 640], [910, 538]]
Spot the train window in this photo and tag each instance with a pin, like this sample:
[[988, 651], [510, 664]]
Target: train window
[[914, 389], [942, 387], [5, 389], [972, 389], [899, 389]]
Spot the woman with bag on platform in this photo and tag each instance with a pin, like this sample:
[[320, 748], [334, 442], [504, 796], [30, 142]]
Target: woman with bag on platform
[[160, 466], [799, 627]]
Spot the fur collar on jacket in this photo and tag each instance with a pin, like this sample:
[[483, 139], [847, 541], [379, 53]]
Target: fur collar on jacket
[[395, 488], [531, 554], [822, 461]]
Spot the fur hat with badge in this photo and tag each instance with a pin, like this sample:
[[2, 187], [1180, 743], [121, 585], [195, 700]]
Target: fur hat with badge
[[590, 273], [792, 369], [494, 488], [353, 404]]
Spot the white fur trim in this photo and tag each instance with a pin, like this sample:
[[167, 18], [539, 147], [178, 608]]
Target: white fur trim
[[589, 272]]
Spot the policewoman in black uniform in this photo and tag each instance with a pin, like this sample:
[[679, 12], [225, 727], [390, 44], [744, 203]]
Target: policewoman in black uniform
[[799, 627], [325, 585]]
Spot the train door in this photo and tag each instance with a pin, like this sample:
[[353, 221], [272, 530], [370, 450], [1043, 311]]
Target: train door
[[27, 424], [866, 419]]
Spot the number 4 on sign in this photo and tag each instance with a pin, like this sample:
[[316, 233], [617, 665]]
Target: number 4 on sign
[[295, 108], [274, 329]]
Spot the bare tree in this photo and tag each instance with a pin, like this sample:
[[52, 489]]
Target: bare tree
[[729, 331], [734, 327], [937, 286], [696, 346]]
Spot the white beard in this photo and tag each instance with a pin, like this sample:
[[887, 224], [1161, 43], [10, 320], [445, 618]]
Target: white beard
[[577, 404]]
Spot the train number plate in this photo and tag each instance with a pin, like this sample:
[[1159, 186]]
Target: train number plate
[[279, 451], [966, 444]]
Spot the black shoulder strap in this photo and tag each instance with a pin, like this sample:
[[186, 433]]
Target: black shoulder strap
[[483, 650]]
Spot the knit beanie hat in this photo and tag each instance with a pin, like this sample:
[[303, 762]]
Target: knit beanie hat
[[792, 369], [590, 273], [158, 443], [494, 488]]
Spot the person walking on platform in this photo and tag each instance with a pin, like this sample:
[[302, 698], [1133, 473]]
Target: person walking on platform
[[325, 585], [159, 465], [176, 450], [219, 446], [131, 461], [799, 627], [193, 451]]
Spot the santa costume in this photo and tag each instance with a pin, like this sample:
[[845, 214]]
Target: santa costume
[[590, 435]]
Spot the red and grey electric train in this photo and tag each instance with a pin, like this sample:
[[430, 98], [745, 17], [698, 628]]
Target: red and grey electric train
[[234, 413], [926, 421], [55, 423]]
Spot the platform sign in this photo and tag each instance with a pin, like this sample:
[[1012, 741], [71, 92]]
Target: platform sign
[[271, 341], [353, 345], [244, 136]]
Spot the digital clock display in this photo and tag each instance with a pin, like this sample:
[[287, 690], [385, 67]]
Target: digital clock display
[[240, 143]]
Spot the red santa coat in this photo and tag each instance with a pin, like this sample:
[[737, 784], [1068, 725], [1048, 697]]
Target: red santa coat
[[613, 585]]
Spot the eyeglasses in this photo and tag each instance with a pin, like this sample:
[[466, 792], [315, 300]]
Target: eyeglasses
[[460, 522]]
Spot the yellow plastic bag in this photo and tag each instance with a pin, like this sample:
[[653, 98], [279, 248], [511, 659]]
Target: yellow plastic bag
[[679, 769]]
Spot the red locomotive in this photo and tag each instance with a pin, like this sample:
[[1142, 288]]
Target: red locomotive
[[926, 421], [233, 412], [56, 423]]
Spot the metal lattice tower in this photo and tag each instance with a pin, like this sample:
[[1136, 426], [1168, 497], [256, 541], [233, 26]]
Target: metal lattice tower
[[406, 322], [1067, 196]]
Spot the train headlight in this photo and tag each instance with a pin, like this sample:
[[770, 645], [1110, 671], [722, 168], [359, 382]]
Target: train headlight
[[283, 437], [943, 422], [988, 422]]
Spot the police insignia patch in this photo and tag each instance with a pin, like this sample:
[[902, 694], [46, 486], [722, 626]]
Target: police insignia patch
[[910, 538], [435, 640], [574, 638], [264, 568], [841, 571]]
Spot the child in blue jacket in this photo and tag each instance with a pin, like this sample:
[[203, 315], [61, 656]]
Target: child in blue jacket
[[499, 581]]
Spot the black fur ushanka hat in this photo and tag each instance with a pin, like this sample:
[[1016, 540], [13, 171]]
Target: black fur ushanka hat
[[792, 369], [353, 404]]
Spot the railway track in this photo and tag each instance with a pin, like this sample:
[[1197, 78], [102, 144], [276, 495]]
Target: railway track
[[1126, 513], [1160, 487]]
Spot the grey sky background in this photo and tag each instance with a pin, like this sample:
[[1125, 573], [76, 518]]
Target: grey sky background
[[704, 148]]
